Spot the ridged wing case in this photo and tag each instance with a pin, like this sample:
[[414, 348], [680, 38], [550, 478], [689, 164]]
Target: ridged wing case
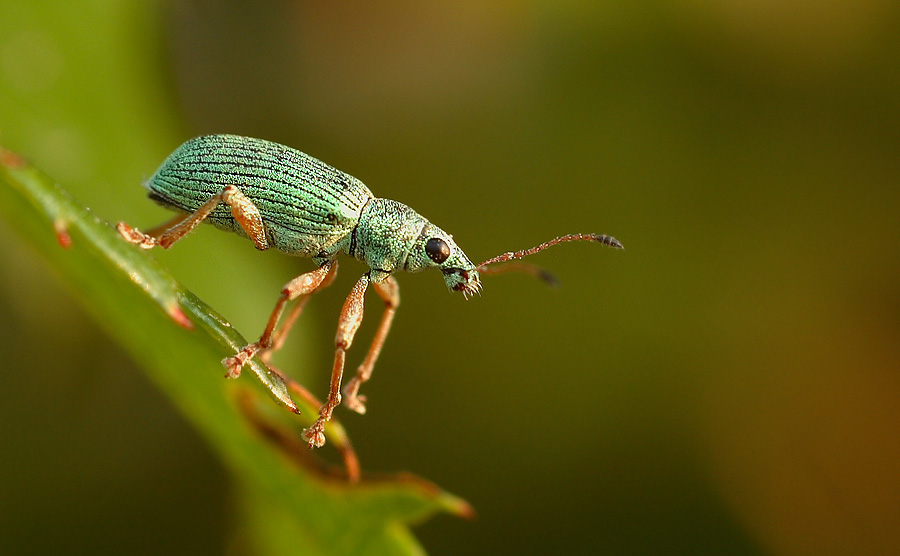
[[308, 207]]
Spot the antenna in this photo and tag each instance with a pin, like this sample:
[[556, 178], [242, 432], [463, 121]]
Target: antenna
[[537, 271]]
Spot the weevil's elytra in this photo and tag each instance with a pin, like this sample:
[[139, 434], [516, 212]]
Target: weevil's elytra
[[306, 206], [280, 197]]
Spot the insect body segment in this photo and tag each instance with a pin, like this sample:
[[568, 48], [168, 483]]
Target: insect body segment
[[282, 198], [307, 207]]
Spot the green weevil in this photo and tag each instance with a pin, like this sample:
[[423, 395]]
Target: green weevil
[[280, 197]]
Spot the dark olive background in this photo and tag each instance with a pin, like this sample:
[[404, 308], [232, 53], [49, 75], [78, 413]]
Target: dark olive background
[[728, 384]]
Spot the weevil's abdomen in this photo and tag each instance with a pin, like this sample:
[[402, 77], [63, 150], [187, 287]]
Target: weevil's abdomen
[[308, 207]]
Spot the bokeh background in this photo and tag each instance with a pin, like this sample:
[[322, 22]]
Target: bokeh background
[[726, 385]]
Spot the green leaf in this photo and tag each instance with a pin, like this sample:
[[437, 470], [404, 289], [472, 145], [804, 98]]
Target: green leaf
[[292, 499]]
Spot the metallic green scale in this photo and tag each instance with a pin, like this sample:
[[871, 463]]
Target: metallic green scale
[[308, 208]]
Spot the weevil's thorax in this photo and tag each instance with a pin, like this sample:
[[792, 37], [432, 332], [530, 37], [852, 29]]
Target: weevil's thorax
[[391, 236], [384, 234]]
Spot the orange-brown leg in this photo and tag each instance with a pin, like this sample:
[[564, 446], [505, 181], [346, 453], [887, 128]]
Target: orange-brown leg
[[302, 285], [342, 443], [389, 291], [158, 230], [242, 208], [279, 336], [348, 324]]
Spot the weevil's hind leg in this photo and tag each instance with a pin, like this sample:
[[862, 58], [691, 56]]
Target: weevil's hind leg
[[348, 324], [389, 291], [158, 230], [302, 285], [242, 208], [148, 239]]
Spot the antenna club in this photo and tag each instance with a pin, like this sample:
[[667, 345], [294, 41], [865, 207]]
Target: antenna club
[[609, 241], [548, 278]]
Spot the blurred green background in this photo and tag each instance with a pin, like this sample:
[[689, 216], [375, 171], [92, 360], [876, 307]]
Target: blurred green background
[[729, 384]]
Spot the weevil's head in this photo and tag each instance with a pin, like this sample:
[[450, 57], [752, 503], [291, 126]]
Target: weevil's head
[[435, 248], [391, 236]]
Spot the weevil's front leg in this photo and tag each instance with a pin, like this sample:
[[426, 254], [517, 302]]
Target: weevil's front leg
[[242, 208], [302, 285], [348, 324], [389, 291]]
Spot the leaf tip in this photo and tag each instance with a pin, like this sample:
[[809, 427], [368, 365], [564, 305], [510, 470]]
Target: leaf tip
[[11, 160], [61, 227], [180, 317], [461, 508]]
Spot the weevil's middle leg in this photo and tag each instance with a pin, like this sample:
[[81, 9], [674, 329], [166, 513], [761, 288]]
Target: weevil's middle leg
[[302, 285], [279, 336], [242, 208], [389, 291], [348, 324]]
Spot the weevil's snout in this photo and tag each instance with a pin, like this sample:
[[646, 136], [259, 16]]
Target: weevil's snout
[[435, 248], [466, 281]]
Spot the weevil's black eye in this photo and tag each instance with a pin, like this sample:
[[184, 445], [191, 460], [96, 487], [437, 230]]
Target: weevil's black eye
[[437, 250]]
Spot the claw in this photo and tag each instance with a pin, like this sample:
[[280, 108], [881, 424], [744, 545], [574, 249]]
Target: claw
[[315, 435], [135, 236], [356, 403], [234, 364], [352, 399]]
